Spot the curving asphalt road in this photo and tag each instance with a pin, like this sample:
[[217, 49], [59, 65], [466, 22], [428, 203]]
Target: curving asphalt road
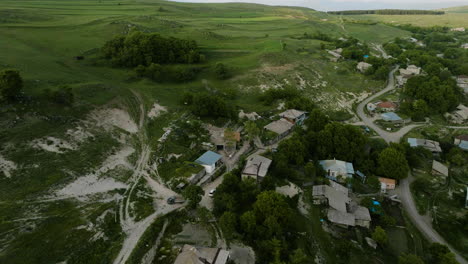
[[404, 190], [387, 136]]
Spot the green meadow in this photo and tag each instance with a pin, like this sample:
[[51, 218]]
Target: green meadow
[[259, 44]]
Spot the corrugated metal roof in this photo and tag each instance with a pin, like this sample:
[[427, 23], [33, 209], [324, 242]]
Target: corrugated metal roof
[[208, 158], [391, 116]]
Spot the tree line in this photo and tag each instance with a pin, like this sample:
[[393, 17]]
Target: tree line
[[145, 49], [387, 12]]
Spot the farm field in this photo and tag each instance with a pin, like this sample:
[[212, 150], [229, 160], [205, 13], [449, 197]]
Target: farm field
[[453, 17]]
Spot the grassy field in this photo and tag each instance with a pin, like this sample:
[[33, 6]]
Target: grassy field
[[44, 37], [453, 17]]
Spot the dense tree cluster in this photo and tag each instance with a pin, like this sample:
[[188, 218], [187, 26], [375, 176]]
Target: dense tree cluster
[[209, 105], [262, 219], [159, 73], [437, 96], [387, 12], [11, 84], [144, 49]]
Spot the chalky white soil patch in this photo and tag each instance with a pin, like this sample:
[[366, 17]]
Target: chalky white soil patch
[[92, 184], [79, 134], [7, 166], [53, 144], [112, 117], [156, 110]]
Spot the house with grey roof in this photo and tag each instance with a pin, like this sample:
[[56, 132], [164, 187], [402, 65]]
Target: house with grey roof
[[294, 116], [337, 170], [280, 127], [363, 66], [256, 168], [430, 145], [342, 210], [200, 255], [439, 169]]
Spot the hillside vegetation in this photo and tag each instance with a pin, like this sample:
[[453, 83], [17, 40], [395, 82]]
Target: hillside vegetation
[[81, 138]]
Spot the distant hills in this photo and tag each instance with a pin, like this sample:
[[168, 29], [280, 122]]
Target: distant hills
[[388, 12]]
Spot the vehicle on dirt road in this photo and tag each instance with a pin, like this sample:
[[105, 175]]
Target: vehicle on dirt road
[[175, 199]]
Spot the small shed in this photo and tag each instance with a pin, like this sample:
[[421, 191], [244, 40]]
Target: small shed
[[387, 184], [209, 160]]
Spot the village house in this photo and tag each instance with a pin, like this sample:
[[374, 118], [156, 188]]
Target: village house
[[432, 146], [462, 82], [462, 142], [256, 168], [461, 112], [294, 116], [361, 215], [411, 70], [439, 169], [200, 255], [391, 117], [363, 66], [464, 46], [387, 184], [224, 139], [386, 106], [280, 127], [336, 54], [337, 170], [371, 107], [342, 210], [209, 160]]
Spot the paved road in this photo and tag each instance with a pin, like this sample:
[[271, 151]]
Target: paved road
[[368, 121], [425, 227], [404, 190]]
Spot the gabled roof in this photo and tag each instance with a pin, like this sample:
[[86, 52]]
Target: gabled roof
[[387, 181], [337, 199], [257, 165], [292, 114], [337, 165], [208, 158], [280, 126], [341, 218], [463, 145], [361, 213], [431, 145], [440, 168], [386, 104], [462, 137], [391, 116]]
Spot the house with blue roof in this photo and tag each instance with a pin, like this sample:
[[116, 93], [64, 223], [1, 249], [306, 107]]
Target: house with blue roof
[[209, 160], [391, 117], [462, 142], [337, 170]]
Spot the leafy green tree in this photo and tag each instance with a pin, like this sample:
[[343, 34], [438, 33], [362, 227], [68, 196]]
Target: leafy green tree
[[409, 259], [252, 130], [440, 254], [11, 84], [221, 71], [194, 194], [393, 164], [380, 236], [381, 73], [228, 223], [298, 257], [309, 170], [420, 110], [387, 221], [63, 96]]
